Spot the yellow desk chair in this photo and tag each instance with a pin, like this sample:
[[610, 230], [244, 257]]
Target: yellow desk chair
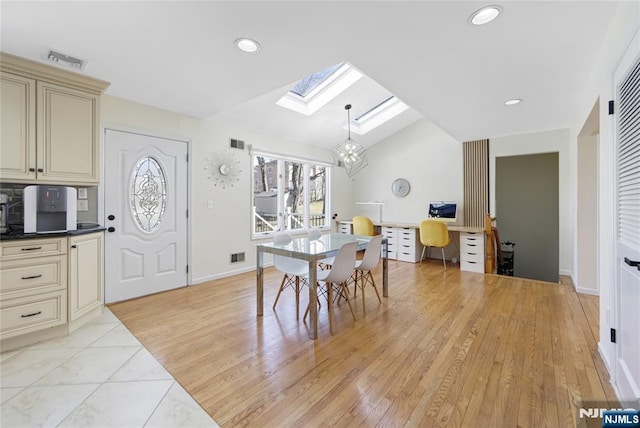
[[434, 233], [363, 226]]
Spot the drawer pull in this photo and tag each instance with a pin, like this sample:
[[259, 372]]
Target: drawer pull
[[31, 315], [32, 277], [31, 248]]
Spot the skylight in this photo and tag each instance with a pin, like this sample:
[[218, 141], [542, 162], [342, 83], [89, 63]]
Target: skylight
[[381, 113], [311, 82], [317, 89]]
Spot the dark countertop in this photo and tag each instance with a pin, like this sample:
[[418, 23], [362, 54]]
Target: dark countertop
[[21, 235]]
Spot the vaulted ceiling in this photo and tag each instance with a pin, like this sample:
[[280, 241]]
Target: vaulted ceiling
[[181, 56]]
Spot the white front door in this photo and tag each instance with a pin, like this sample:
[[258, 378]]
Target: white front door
[[627, 131], [145, 214]]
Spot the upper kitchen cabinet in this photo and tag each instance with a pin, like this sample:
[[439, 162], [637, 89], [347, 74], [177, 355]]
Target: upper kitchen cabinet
[[50, 124]]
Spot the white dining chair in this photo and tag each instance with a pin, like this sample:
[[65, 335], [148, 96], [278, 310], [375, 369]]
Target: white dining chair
[[336, 278], [362, 274], [295, 271]]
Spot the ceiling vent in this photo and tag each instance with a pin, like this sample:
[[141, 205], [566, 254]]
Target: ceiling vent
[[236, 144], [63, 60]]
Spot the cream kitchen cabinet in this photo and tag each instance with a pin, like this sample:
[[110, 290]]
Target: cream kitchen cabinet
[[49, 286], [85, 274], [50, 124], [33, 285], [17, 128]]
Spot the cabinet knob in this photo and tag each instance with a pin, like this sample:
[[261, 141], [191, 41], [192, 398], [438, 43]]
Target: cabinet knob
[[32, 170], [111, 229], [111, 217], [40, 170], [74, 246]]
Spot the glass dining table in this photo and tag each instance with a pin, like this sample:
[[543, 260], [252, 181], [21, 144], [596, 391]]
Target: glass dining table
[[313, 249]]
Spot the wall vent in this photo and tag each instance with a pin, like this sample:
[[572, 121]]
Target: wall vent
[[237, 257], [64, 60], [236, 144]]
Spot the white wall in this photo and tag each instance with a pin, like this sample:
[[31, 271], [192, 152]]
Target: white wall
[[540, 142], [622, 28], [423, 154], [225, 228]]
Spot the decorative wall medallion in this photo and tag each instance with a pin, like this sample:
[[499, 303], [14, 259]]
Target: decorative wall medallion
[[148, 194], [223, 169]]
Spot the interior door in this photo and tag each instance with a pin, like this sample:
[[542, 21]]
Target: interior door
[[145, 213], [627, 129]]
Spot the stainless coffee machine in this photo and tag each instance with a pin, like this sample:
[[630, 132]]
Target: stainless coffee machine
[[4, 213], [49, 209]]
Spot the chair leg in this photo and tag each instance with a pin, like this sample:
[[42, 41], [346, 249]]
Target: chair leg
[[329, 305], [284, 278], [363, 284], [343, 286], [422, 256], [443, 260], [373, 283], [297, 297]]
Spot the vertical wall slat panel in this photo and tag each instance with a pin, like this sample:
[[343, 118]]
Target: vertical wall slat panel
[[476, 182]]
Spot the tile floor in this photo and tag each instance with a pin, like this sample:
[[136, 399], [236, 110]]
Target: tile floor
[[98, 376]]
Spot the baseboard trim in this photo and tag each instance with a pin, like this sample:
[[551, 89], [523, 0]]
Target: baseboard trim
[[605, 359], [208, 278], [589, 291]]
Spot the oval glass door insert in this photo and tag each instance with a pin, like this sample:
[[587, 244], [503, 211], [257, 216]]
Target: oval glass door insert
[[148, 194]]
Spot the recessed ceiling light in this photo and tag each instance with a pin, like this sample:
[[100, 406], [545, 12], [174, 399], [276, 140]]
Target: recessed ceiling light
[[247, 45], [485, 15], [513, 102]]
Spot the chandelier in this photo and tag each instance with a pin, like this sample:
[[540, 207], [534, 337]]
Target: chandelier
[[350, 154]]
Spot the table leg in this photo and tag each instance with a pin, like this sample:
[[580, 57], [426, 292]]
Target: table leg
[[313, 299], [260, 280]]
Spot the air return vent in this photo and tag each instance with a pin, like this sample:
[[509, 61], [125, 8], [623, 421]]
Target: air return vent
[[64, 60], [236, 144], [237, 258]]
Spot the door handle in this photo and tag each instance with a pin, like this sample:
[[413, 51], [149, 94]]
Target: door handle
[[632, 263]]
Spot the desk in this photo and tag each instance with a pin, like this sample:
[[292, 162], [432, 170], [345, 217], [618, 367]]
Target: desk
[[404, 242], [312, 250]]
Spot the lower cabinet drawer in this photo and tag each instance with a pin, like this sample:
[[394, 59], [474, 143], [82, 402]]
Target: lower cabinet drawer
[[31, 276], [345, 228], [472, 266], [20, 316], [470, 256], [407, 257]]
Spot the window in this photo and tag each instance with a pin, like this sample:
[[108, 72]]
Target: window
[[317, 89], [148, 194], [289, 195], [381, 113]]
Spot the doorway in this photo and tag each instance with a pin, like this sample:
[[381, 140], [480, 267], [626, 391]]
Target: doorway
[[145, 214], [527, 209], [587, 205]]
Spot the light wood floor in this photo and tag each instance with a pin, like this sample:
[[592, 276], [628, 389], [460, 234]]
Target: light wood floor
[[444, 349]]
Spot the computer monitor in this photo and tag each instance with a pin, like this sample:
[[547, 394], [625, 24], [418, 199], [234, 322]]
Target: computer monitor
[[443, 211]]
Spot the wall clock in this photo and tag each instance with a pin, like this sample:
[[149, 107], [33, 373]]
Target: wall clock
[[223, 169], [400, 187]]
